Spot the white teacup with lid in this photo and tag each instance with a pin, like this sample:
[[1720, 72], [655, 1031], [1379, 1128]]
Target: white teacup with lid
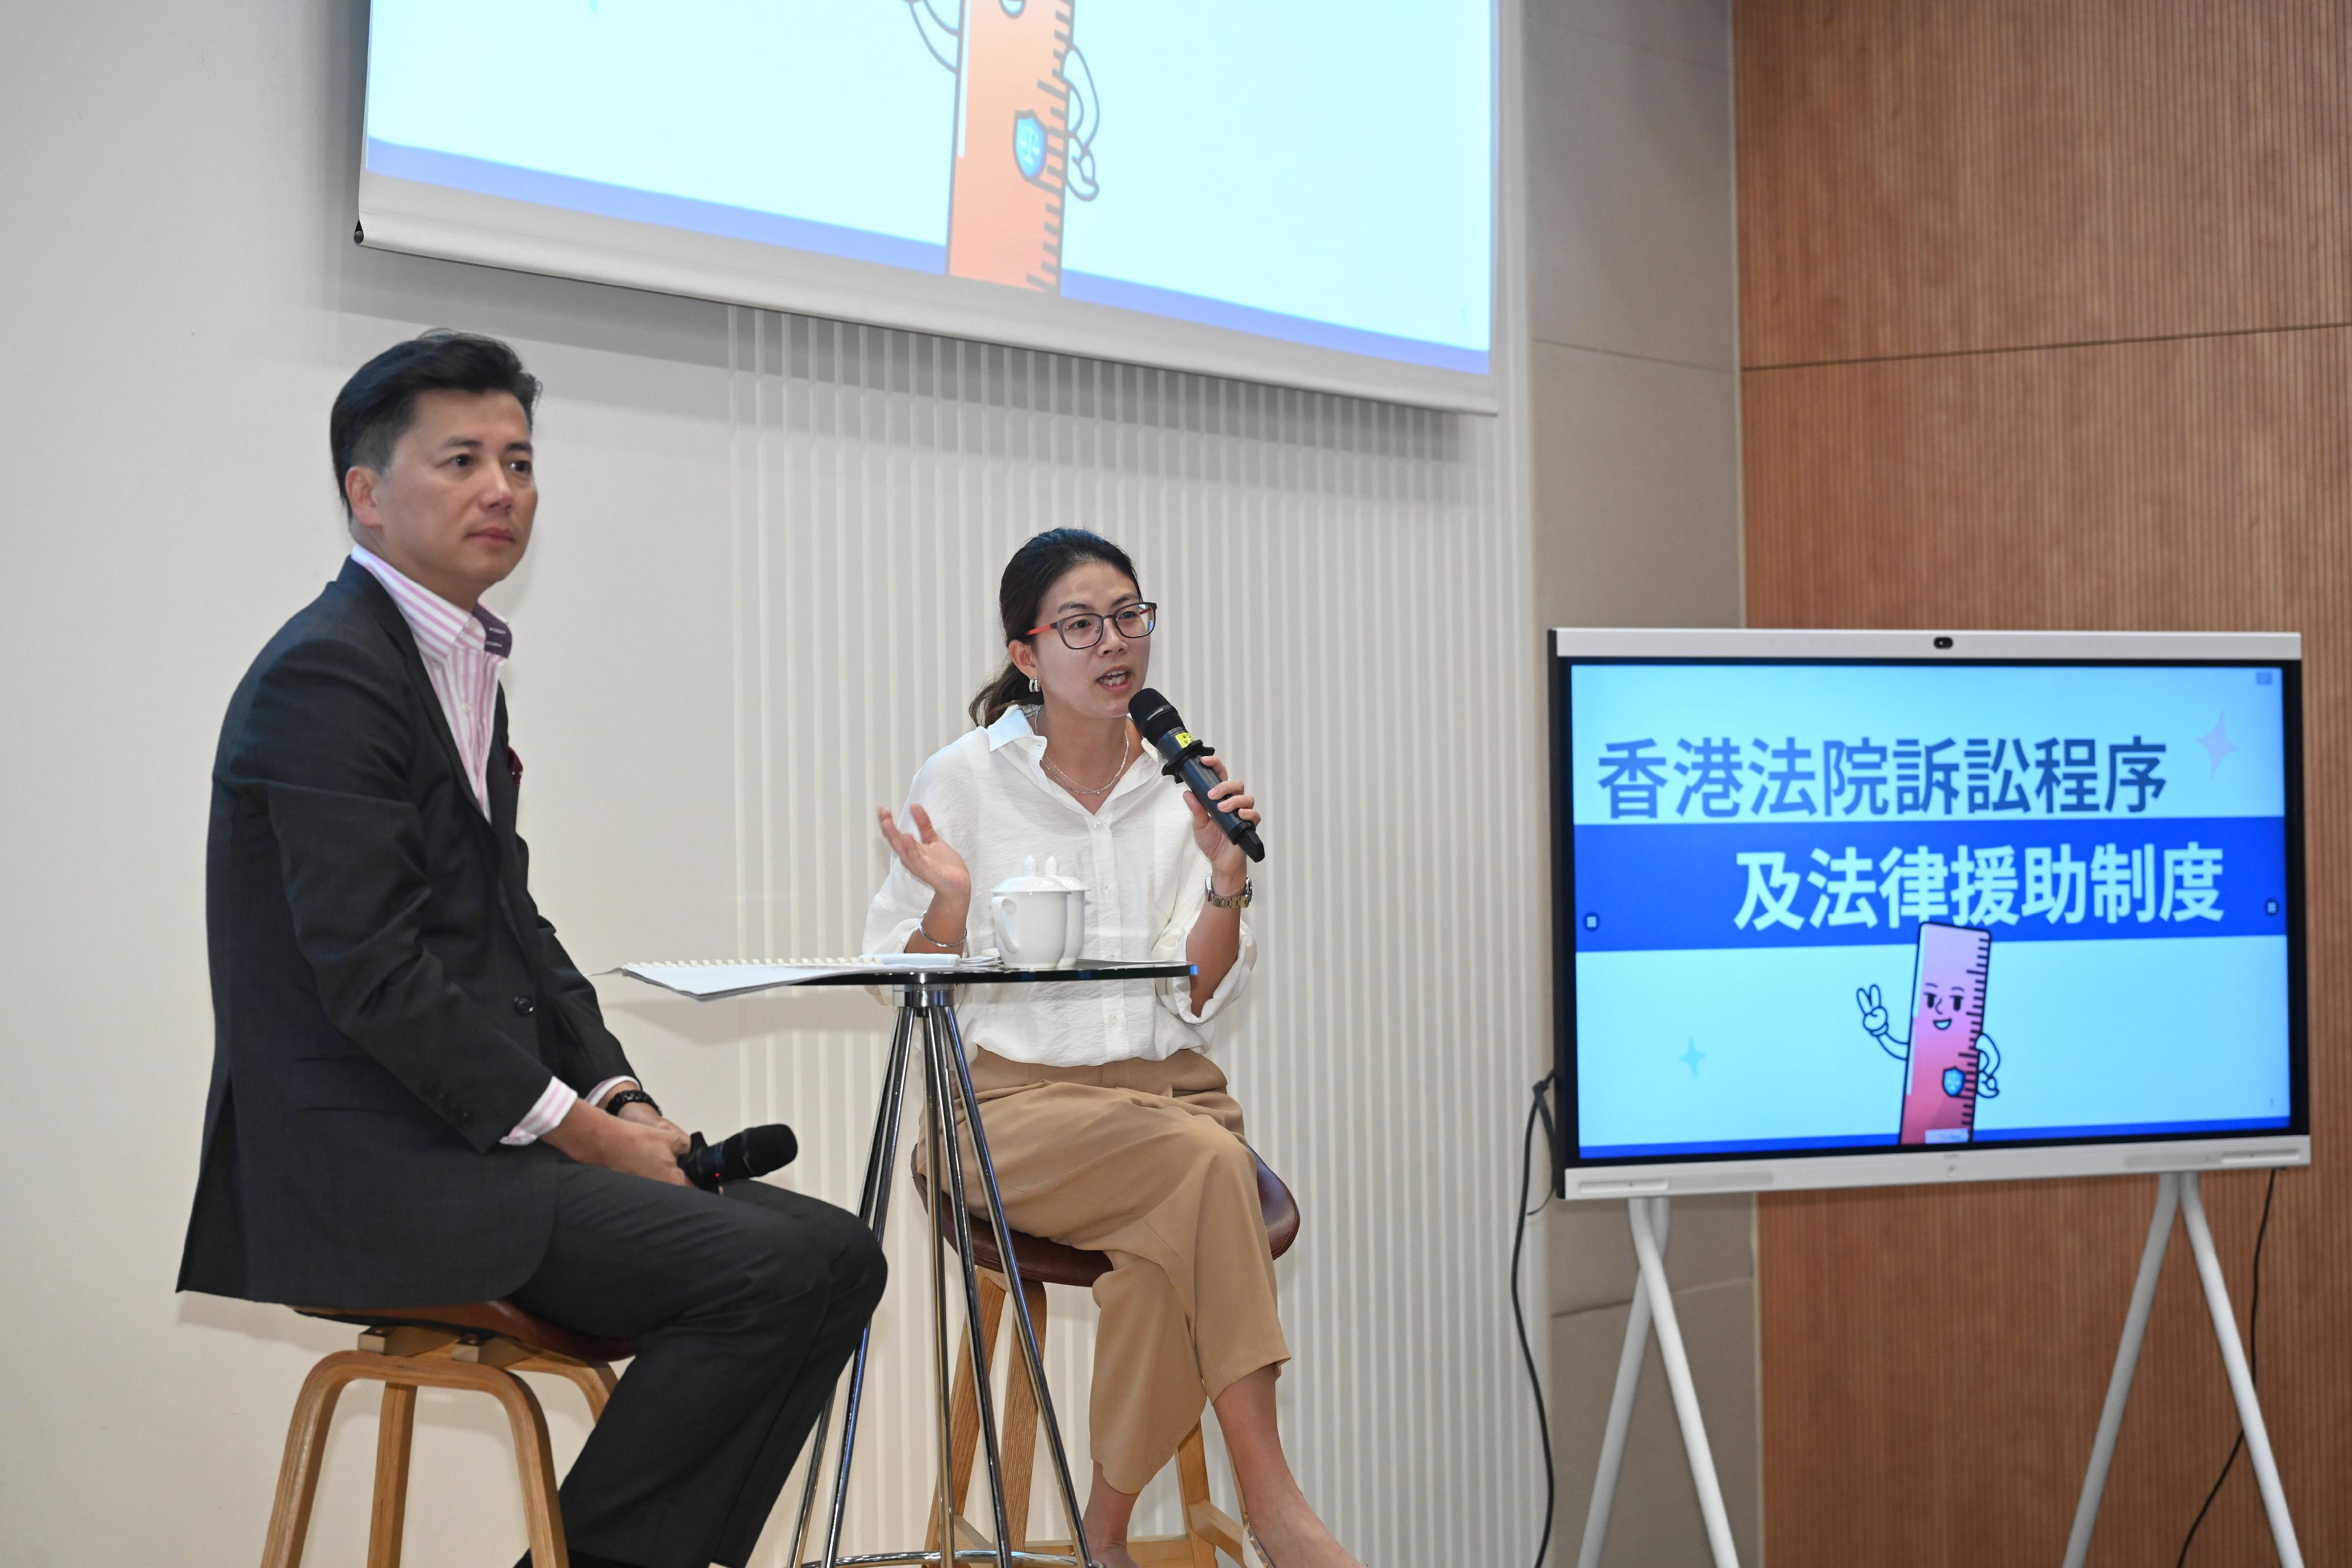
[[1040, 919]]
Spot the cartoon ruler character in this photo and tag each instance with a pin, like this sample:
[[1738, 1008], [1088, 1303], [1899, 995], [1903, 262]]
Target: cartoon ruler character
[[1023, 148], [1011, 172], [1949, 1061]]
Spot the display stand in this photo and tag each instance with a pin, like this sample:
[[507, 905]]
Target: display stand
[[2176, 1195], [1653, 1298], [2176, 1192]]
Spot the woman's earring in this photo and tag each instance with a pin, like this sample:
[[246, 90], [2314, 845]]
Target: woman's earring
[[1033, 682]]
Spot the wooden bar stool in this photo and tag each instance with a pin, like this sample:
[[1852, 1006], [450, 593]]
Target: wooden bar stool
[[1208, 1529], [480, 1346]]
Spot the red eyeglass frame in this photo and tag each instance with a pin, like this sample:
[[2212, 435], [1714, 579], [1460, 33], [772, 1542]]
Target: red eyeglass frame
[[1149, 606]]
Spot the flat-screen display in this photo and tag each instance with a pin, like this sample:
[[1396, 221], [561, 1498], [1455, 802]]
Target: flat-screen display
[[2024, 895], [1301, 192]]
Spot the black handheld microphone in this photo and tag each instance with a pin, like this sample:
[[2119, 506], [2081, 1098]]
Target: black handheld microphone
[[1155, 719], [754, 1152]]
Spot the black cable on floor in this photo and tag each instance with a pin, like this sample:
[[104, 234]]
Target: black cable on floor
[[2254, 1367], [1542, 1107]]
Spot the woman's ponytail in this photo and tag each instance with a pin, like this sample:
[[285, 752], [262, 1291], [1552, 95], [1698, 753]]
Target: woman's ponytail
[[1005, 692]]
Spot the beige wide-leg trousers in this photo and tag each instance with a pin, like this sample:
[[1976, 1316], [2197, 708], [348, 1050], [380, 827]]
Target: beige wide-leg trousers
[[1143, 1161]]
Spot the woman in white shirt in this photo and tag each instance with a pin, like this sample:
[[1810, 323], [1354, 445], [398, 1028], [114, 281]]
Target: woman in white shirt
[[1110, 1128]]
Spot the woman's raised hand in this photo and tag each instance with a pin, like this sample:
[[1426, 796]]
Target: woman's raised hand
[[1227, 863], [930, 858]]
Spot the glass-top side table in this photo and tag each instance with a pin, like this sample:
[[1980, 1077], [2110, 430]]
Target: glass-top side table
[[926, 1010]]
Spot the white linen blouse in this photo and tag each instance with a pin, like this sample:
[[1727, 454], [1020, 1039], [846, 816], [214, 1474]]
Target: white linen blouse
[[1146, 881]]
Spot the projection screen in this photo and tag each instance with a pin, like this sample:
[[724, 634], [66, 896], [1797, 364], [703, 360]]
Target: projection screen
[[1300, 194]]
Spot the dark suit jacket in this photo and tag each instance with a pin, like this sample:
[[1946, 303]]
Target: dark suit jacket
[[387, 1002]]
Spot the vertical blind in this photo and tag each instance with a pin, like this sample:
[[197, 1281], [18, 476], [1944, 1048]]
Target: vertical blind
[[1346, 617]]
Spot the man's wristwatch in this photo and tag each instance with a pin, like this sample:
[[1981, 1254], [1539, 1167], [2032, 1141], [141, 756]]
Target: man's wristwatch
[[1238, 901], [620, 1097]]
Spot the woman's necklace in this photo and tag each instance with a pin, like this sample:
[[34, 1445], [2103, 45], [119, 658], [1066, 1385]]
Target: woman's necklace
[[1126, 752]]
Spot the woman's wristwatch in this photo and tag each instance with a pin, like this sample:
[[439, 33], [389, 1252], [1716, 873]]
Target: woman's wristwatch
[[1238, 901]]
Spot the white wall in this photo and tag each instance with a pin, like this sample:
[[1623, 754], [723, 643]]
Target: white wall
[[1632, 412], [760, 594]]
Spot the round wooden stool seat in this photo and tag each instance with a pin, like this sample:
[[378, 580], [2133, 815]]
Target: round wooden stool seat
[[1047, 1262], [500, 1320]]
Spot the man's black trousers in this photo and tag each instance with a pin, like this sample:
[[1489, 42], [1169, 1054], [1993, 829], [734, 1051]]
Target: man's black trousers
[[744, 1308]]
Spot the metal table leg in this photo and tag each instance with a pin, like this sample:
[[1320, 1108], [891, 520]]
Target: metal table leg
[[947, 1090], [935, 1112], [1015, 1296], [887, 1109], [947, 1189], [875, 1209]]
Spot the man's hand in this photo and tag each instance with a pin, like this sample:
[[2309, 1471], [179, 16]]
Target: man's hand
[[646, 1115], [646, 1146]]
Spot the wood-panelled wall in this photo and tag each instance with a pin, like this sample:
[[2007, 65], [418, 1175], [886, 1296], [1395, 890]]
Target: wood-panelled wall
[[2046, 321]]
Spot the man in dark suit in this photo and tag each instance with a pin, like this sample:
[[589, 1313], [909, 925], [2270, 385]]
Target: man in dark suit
[[414, 1099]]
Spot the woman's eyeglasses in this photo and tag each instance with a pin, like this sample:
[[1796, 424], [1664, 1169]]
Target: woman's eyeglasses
[[1085, 630]]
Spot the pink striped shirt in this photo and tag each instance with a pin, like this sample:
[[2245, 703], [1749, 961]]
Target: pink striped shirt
[[463, 651]]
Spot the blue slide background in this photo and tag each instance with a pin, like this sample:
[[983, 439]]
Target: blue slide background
[[1696, 1034], [827, 112], [1314, 162], [1317, 159]]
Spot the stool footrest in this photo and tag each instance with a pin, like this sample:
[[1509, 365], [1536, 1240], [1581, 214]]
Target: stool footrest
[[1149, 1551], [1024, 1557], [1214, 1525]]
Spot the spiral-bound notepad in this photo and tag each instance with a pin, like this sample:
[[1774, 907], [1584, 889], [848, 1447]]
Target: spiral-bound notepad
[[709, 979]]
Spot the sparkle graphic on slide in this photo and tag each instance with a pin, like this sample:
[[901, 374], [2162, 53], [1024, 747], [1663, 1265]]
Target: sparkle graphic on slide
[[1692, 1057], [2216, 742]]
